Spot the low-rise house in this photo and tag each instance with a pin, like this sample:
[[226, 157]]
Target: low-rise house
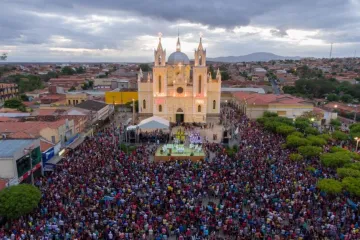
[[254, 104]]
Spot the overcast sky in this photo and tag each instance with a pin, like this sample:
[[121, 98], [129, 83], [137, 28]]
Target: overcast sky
[[127, 30]]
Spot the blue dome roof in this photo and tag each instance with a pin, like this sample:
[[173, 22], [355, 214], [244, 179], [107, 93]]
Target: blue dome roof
[[178, 57]]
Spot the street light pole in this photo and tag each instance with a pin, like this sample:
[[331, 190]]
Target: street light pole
[[357, 139], [133, 105]]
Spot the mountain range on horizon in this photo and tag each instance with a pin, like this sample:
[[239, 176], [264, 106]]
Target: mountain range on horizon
[[253, 57]]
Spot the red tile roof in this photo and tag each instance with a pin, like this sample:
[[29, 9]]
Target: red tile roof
[[29, 129], [267, 99], [44, 145]]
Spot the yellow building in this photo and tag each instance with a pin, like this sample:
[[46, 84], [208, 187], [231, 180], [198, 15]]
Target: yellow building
[[122, 97], [177, 90], [75, 98]]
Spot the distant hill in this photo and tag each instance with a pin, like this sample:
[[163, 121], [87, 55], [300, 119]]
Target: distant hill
[[253, 57]]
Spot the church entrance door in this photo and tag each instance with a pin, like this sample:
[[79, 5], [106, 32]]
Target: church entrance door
[[179, 117]]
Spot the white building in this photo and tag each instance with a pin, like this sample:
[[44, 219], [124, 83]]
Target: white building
[[178, 91]]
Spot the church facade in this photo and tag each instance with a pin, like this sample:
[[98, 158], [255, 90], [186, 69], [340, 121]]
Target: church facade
[[177, 90]]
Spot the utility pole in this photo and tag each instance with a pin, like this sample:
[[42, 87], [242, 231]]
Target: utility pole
[[133, 108]]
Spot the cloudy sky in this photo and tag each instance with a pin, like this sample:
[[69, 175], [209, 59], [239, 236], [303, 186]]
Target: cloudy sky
[[127, 30]]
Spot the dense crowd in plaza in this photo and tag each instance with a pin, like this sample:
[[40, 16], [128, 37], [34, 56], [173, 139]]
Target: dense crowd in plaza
[[101, 193]]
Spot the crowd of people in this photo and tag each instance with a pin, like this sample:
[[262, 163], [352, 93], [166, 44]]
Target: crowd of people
[[102, 193], [157, 136]]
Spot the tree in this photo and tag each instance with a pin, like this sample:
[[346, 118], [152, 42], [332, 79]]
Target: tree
[[24, 98], [26, 83], [270, 114], [212, 71], [338, 135], [18, 200], [330, 186], [285, 130], [337, 149], [68, 71], [311, 131], [91, 84], [316, 141], [352, 185], [80, 70], [145, 67], [302, 124], [295, 141], [346, 98], [309, 151], [224, 75], [355, 130], [334, 160], [332, 97], [327, 137], [335, 122], [296, 157], [298, 134], [347, 172], [13, 103]]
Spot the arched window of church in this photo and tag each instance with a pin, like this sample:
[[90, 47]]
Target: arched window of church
[[214, 104], [200, 60], [144, 104], [200, 84], [159, 60], [199, 108], [160, 108], [159, 84]]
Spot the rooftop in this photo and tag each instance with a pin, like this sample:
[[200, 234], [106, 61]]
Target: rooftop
[[9, 146], [267, 99], [91, 105]]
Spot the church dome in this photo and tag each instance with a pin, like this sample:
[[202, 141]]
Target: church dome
[[178, 57]]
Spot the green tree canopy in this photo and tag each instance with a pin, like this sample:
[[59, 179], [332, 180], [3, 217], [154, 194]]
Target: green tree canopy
[[334, 160], [145, 67], [297, 134], [68, 71], [311, 131], [80, 70], [295, 141], [26, 83], [285, 129], [346, 98], [309, 151], [348, 172], [338, 135], [316, 141], [295, 157], [335, 122], [270, 114], [332, 97], [330, 186], [19, 200], [352, 185], [13, 103]]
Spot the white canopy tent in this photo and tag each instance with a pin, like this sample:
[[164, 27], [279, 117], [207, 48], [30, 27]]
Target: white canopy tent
[[153, 123]]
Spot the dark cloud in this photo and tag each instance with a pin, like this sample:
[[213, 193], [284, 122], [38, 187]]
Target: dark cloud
[[93, 24]]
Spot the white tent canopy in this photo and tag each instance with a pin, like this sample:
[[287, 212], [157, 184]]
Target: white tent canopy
[[154, 122]]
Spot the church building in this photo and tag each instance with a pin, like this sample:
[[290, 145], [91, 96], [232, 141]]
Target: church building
[[177, 90]]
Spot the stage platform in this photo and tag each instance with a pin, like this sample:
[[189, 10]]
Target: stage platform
[[174, 155]]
